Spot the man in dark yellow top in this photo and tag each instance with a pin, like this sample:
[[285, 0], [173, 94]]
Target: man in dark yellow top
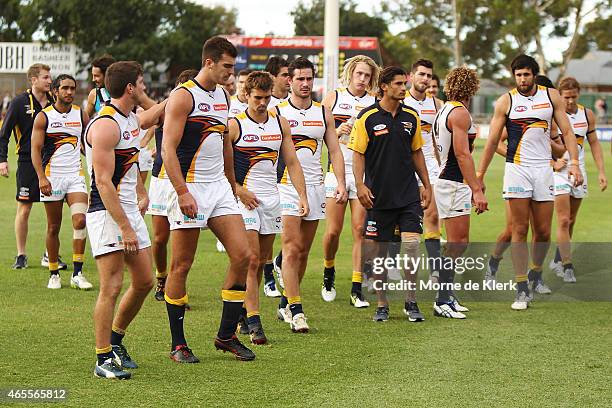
[[386, 142]]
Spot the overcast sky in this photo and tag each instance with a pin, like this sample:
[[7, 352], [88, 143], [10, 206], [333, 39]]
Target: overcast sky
[[258, 17]]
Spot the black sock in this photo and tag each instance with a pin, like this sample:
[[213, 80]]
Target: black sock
[[176, 314], [534, 275], [283, 302], [232, 309], [116, 338], [102, 357], [568, 265], [268, 271], [78, 267], [329, 275], [356, 288], [446, 276], [432, 246], [279, 259], [51, 273], [523, 287], [296, 308], [557, 255]]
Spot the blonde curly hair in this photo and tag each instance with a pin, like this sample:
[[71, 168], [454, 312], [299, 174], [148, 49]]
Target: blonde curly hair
[[461, 84], [349, 68]]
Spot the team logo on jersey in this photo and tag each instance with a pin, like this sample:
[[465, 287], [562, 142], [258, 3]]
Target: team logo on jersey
[[345, 106], [220, 106], [541, 106], [304, 142], [293, 123], [126, 135], [55, 125], [312, 123], [371, 230], [250, 138], [520, 108], [407, 125], [204, 107], [72, 124], [380, 126], [270, 138]]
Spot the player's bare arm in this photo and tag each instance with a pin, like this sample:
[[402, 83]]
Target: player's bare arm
[[335, 154], [38, 140]]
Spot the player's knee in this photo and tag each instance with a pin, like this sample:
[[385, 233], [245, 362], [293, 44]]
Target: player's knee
[[160, 239], [53, 228], [181, 267], [564, 221], [333, 234], [78, 222], [143, 285], [292, 253], [243, 259], [110, 290], [521, 229]]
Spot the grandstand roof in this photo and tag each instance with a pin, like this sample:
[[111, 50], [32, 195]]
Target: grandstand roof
[[594, 69]]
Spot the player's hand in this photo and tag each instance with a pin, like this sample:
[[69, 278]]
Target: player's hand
[[344, 129], [130, 240], [341, 194], [425, 197], [365, 196], [480, 201], [603, 181], [154, 152], [4, 169], [188, 205], [143, 204], [573, 171], [44, 186], [304, 207], [559, 164], [248, 198]]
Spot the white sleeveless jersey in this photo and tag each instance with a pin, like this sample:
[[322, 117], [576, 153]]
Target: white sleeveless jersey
[[427, 112], [449, 166], [200, 151], [346, 108], [126, 173], [580, 125], [307, 131], [274, 101], [236, 106], [528, 125], [61, 154], [256, 153]]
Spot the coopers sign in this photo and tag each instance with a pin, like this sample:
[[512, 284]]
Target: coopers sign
[[17, 57]]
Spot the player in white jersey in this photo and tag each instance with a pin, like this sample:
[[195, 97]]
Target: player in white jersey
[[527, 112], [360, 79], [260, 137], [426, 105], [567, 197], [278, 67], [457, 186], [159, 190], [311, 125], [117, 231], [238, 102], [198, 158], [56, 158]]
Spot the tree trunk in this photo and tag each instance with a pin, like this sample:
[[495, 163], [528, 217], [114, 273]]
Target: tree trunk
[[567, 55], [457, 40]]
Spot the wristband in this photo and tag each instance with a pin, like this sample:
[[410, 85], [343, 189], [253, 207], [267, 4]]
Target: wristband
[[182, 190], [575, 162]]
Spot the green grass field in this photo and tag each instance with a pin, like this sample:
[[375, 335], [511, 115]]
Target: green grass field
[[555, 354]]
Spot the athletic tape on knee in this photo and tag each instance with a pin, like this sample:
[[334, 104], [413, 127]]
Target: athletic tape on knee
[[78, 208], [79, 233]]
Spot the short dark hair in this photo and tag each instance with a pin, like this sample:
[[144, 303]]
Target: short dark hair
[[186, 75], [436, 78], [387, 75], [525, 61], [421, 63], [215, 47], [119, 75], [243, 72], [103, 62], [300, 63], [58, 80], [274, 65], [258, 80], [544, 81]]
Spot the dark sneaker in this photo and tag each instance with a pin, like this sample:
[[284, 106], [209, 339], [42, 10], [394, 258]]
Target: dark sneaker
[[411, 310], [235, 347], [44, 261], [122, 357], [159, 289], [183, 354], [381, 314], [243, 326], [21, 262], [110, 369], [257, 335]]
